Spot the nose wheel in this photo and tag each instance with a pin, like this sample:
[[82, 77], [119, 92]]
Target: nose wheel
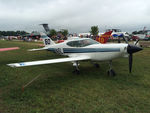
[[111, 72], [76, 65], [76, 71], [96, 65]]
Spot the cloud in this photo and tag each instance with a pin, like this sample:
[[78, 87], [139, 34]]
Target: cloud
[[75, 15]]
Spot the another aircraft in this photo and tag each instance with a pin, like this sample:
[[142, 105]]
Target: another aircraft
[[118, 32], [104, 37], [142, 34], [83, 49]]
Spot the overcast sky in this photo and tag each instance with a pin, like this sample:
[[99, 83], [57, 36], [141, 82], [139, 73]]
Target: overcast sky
[[74, 15]]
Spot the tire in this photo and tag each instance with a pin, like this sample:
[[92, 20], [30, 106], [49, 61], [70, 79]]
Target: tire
[[76, 72], [96, 65], [111, 72]]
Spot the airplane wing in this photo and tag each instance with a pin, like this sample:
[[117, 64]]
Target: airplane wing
[[38, 49], [40, 62], [8, 49]]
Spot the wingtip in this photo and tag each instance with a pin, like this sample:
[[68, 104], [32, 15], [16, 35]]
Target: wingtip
[[11, 65], [30, 50]]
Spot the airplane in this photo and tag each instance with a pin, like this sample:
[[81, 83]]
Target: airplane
[[142, 34], [83, 49], [118, 32], [103, 38]]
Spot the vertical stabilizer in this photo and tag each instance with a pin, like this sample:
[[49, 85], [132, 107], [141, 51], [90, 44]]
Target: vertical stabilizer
[[46, 28], [46, 40]]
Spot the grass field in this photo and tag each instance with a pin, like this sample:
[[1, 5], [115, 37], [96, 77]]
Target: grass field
[[58, 90]]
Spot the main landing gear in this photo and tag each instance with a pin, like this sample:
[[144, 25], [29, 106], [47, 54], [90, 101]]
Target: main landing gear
[[76, 65], [111, 72], [96, 65]]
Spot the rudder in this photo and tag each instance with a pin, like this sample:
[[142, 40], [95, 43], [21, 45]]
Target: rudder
[[46, 40]]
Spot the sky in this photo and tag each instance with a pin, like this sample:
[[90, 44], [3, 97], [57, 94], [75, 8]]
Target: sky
[[75, 15]]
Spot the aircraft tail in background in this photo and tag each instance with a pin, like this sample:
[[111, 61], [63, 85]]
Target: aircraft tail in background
[[104, 37], [46, 28], [46, 40]]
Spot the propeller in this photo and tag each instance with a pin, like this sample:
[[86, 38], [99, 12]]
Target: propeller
[[132, 49], [125, 39]]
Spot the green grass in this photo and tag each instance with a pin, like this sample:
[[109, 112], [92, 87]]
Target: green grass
[[58, 90]]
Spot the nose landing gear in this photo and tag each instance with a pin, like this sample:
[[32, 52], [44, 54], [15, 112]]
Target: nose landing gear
[[76, 71], [111, 72]]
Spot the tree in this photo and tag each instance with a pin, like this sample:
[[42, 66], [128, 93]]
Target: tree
[[53, 32], [64, 32], [94, 31], [12, 33]]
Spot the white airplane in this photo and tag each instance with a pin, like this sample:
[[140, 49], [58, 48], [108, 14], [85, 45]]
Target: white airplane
[[83, 49]]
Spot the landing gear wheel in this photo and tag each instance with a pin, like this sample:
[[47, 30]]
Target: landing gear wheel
[[76, 72], [111, 72], [96, 65]]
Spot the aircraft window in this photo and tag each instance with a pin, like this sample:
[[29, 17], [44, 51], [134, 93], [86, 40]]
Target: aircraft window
[[74, 44], [44, 36], [82, 43]]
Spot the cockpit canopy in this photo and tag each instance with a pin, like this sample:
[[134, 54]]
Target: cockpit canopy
[[82, 43]]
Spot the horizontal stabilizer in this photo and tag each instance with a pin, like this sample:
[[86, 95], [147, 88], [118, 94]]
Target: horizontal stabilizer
[[38, 49], [71, 59]]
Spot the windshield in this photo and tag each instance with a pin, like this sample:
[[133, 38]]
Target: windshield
[[82, 43]]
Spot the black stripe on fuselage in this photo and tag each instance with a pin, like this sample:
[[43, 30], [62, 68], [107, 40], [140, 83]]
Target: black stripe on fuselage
[[86, 50]]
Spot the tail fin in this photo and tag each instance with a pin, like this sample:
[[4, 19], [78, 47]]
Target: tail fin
[[45, 27], [104, 37], [107, 33], [46, 40]]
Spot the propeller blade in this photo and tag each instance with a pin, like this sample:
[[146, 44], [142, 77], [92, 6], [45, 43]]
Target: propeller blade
[[130, 63], [132, 49], [137, 41], [125, 39]]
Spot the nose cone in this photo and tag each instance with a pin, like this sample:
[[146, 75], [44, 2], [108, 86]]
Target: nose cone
[[132, 49]]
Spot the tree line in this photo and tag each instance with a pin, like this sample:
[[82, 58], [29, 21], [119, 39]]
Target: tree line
[[94, 31], [53, 32], [12, 33]]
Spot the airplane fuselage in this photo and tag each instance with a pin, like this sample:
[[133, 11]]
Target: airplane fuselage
[[84, 49], [97, 51]]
